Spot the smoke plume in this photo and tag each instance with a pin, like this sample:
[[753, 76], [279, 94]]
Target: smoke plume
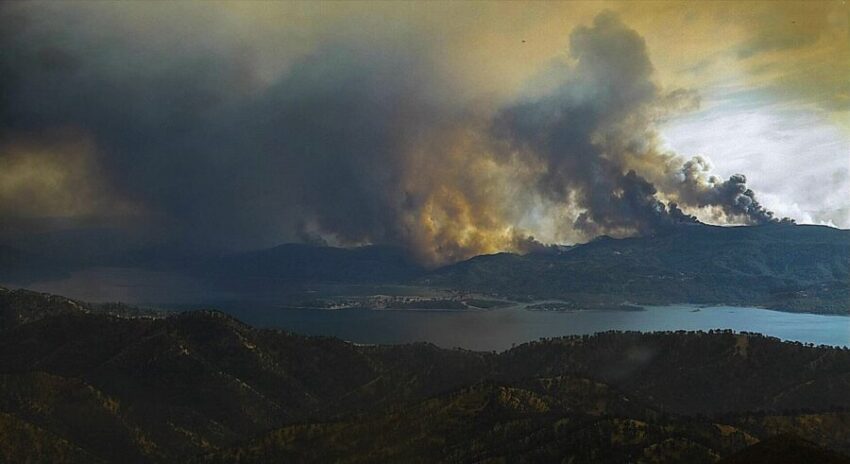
[[356, 141], [595, 135]]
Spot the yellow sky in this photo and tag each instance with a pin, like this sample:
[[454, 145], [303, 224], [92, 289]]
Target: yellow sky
[[798, 50]]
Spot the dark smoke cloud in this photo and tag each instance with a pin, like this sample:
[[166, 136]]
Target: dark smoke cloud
[[356, 143], [161, 125], [632, 203], [732, 195], [597, 128]]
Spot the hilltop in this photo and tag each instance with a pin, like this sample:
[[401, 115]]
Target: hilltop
[[780, 266], [79, 385]]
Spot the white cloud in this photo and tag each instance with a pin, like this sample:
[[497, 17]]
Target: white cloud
[[795, 159]]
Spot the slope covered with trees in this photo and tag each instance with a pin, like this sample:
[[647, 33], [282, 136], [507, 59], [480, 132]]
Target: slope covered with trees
[[81, 385], [781, 266]]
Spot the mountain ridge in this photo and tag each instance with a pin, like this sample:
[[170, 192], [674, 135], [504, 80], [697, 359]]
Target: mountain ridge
[[780, 266], [802, 268]]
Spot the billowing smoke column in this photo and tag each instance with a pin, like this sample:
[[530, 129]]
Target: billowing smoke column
[[732, 195], [594, 133], [355, 142]]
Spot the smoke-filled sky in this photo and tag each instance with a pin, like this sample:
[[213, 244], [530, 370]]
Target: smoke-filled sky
[[450, 129]]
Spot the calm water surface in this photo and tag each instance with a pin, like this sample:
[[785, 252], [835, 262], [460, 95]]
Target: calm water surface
[[496, 329], [499, 329]]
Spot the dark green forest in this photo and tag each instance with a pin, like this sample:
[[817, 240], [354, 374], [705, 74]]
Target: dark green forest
[[83, 383]]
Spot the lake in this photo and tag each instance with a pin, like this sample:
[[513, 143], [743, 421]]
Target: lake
[[499, 329], [496, 329]]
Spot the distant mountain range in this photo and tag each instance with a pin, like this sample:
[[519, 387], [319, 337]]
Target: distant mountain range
[[781, 266], [790, 267], [87, 384]]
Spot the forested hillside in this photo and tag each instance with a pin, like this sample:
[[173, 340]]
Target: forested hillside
[[81, 385], [788, 267]]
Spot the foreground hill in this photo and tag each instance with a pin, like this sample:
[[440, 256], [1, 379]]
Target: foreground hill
[[79, 385], [789, 267], [785, 449]]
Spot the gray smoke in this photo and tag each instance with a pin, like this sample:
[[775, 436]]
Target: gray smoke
[[732, 195], [595, 132], [357, 142]]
